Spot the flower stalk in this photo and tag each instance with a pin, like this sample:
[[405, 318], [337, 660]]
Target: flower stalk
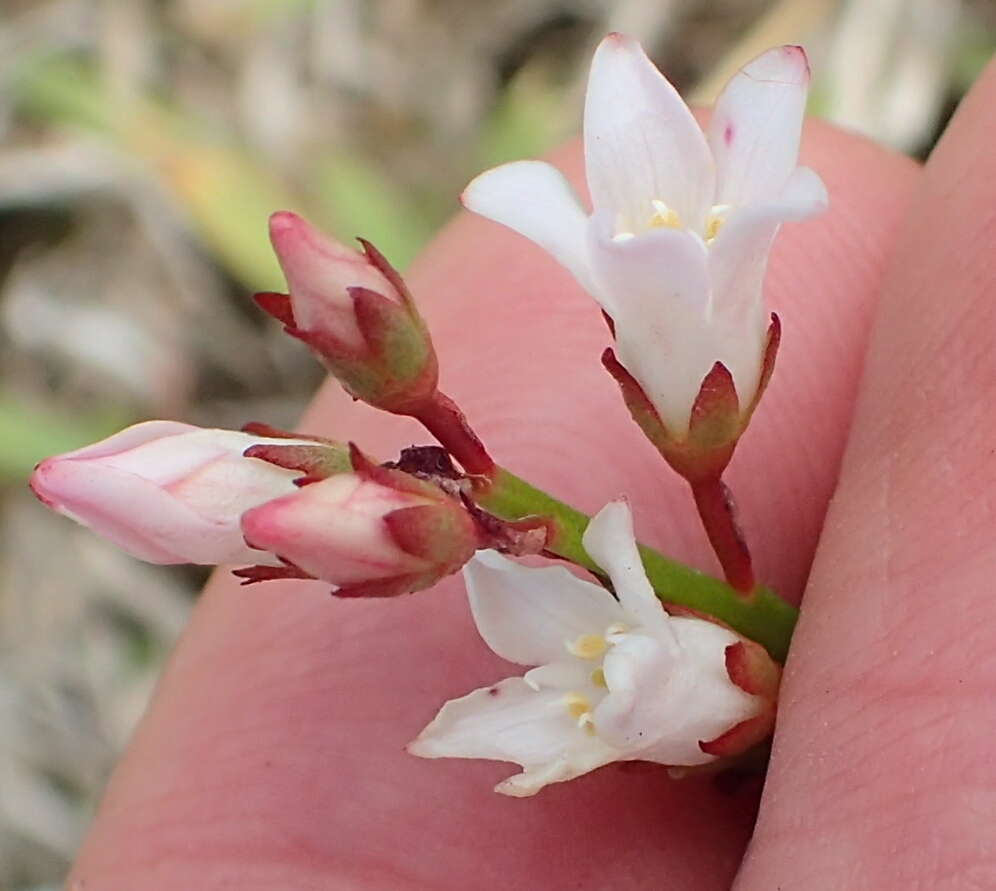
[[718, 513], [442, 417], [763, 617]]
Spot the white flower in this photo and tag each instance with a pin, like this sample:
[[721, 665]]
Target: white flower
[[617, 680], [676, 247]]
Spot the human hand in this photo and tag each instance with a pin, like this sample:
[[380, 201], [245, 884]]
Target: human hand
[[273, 755]]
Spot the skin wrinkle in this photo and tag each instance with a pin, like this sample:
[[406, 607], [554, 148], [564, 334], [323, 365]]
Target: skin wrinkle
[[363, 678]]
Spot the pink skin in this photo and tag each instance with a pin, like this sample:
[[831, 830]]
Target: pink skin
[[273, 754]]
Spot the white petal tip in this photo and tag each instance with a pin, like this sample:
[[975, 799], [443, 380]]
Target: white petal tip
[[618, 40], [422, 748], [782, 64], [513, 790], [479, 194]]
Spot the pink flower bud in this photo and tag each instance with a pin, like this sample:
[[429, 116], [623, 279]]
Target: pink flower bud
[[166, 492], [355, 313], [319, 272], [375, 533]]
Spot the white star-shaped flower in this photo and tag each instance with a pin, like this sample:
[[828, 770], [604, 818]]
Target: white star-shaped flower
[[617, 680], [676, 246]]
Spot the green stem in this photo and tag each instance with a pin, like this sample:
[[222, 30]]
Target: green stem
[[763, 616]]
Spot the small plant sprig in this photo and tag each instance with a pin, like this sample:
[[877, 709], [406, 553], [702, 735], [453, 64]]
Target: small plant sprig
[[648, 660]]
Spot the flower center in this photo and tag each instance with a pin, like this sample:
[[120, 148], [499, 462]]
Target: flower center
[[665, 217]]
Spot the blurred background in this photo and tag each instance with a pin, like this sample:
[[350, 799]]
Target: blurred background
[[143, 144]]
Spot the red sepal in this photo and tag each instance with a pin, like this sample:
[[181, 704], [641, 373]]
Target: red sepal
[[739, 738], [258, 428], [713, 430], [715, 417], [381, 264], [390, 478], [250, 575], [317, 462], [768, 362], [610, 322], [443, 534], [390, 587], [752, 669], [277, 305]]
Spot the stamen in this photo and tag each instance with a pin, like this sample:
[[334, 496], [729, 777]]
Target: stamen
[[664, 216], [577, 705], [623, 236], [715, 219], [598, 678], [587, 646]]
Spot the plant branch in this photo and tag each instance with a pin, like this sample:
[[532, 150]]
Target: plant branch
[[763, 616]]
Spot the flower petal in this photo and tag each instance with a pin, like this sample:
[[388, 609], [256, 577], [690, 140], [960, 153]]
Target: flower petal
[[738, 256], [656, 289], [610, 541], [510, 721], [527, 615], [738, 259], [756, 124], [666, 698], [534, 199], [142, 517], [132, 437], [641, 141]]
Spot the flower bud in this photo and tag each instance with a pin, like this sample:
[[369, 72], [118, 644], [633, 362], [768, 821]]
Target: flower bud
[[166, 492], [374, 532], [356, 314]]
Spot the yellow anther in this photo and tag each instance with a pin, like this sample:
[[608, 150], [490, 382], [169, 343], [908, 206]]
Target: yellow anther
[[715, 220], [664, 216], [577, 705], [598, 678], [587, 646]]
